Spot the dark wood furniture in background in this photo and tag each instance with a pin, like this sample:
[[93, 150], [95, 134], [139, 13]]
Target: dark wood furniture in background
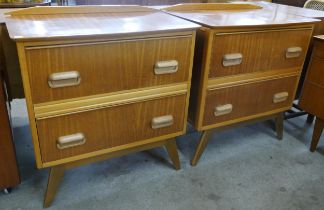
[[312, 97], [296, 3], [9, 175], [25, 4], [137, 2]]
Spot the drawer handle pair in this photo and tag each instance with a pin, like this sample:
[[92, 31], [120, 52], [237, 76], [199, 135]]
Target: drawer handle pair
[[162, 122], [223, 110], [64, 79], [280, 97], [232, 59], [166, 67], [73, 140], [293, 52]]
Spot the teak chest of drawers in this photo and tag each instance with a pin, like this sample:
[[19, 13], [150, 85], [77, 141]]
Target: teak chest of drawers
[[312, 97], [102, 81], [247, 64]]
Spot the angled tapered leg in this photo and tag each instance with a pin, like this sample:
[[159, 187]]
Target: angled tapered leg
[[55, 176], [171, 147], [201, 146], [319, 125], [279, 120], [310, 118]]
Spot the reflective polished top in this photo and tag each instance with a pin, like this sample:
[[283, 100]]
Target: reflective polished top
[[239, 14], [84, 21]]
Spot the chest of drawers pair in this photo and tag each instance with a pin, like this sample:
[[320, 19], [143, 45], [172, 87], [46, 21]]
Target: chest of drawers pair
[[105, 81]]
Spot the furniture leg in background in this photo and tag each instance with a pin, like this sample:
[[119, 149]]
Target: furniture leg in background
[[318, 129]]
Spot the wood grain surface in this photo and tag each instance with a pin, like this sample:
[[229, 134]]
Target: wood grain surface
[[238, 17], [261, 51], [248, 99], [312, 96], [111, 127], [107, 67], [136, 2], [119, 21]]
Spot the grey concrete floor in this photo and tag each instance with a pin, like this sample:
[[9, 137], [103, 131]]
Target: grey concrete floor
[[242, 168]]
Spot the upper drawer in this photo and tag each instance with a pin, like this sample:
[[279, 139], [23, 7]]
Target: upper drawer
[[86, 132], [248, 52], [231, 103], [318, 49], [315, 72], [76, 70]]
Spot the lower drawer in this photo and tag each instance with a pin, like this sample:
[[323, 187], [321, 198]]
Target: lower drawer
[[315, 71], [76, 134], [312, 99], [241, 101]]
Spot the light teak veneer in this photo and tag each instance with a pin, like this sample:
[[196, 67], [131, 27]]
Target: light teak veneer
[[101, 82], [247, 64]]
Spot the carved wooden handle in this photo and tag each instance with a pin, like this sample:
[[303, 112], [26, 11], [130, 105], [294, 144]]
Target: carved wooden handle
[[280, 97], [166, 67], [73, 140], [232, 59], [293, 52], [64, 79], [223, 109], [161, 122]]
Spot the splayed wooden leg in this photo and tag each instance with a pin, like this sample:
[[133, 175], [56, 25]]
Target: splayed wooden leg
[[201, 146], [318, 129], [55, 176], [279, 120], [171, 147]]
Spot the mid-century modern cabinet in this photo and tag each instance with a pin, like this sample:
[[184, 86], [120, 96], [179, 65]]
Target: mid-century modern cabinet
[[247, 64], [312, 98], [102, 82]]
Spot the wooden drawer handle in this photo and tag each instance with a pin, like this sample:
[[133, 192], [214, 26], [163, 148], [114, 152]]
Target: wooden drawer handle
[[64, 79], [223, 109], [73, 140], [161, 122], [232, 59], [280, 97], [293, 52], [166, 67]]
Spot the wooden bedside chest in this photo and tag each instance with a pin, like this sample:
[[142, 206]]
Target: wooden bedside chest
[[312, 97], [9, 172], [102, 81], [247, 64]]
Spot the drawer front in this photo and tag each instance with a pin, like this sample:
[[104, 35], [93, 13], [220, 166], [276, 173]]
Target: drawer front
[[244, 100], [318, 49], [241, 53], [76, 134], [315, 73], [312, 99], [87, 69]]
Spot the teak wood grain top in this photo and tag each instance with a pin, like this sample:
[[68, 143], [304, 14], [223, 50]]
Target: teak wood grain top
[[236, 15], [85, 21], [304, 12]]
